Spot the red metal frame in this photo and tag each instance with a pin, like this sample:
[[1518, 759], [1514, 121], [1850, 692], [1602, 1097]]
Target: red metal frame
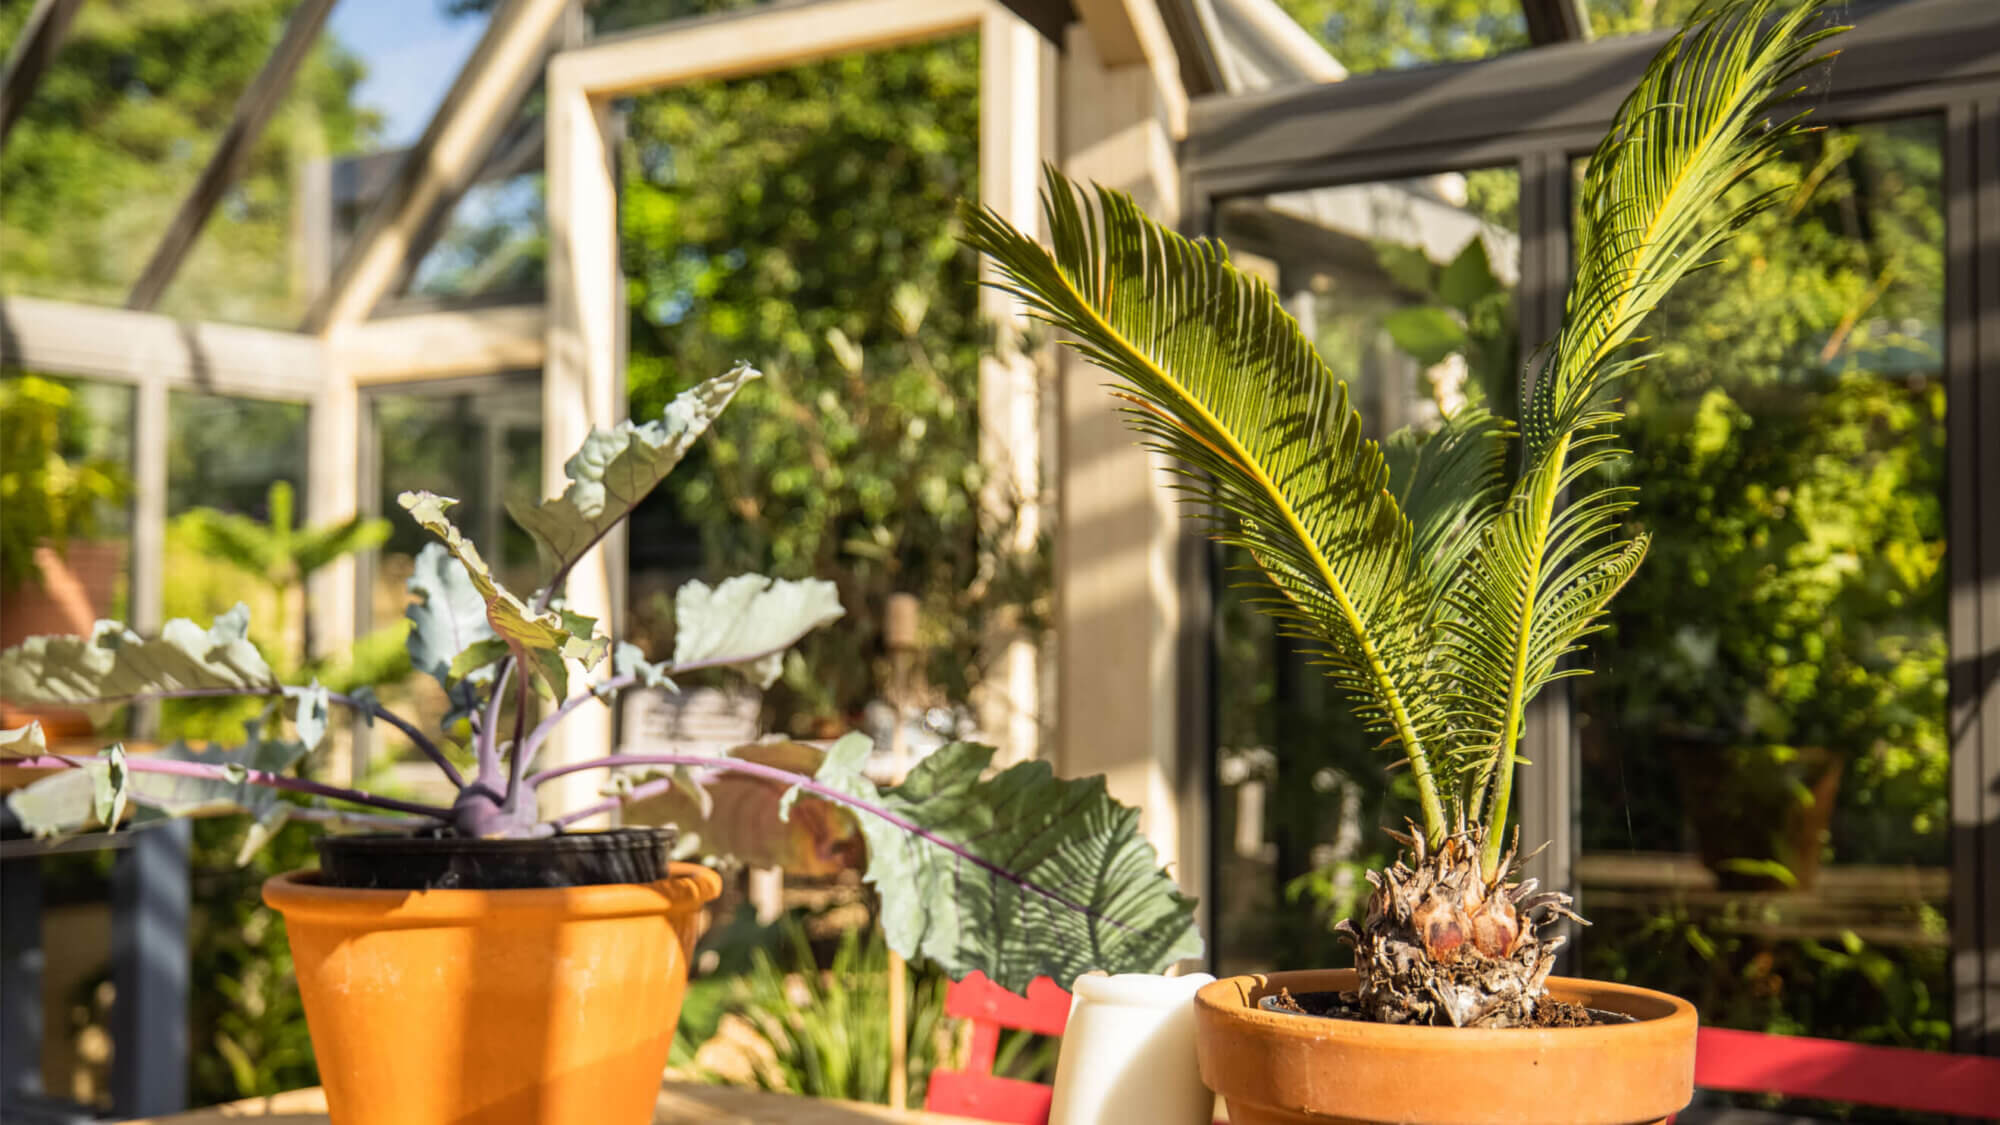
[[1744, 1061], [975, 1091], [1892, 1077]]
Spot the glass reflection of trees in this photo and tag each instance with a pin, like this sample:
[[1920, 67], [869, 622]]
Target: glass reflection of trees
[[1771, 694]]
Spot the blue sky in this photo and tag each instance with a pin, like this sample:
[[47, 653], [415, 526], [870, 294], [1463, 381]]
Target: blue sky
[[412, 51]]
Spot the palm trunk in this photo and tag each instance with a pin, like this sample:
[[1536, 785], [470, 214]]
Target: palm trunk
[[1442, 944]]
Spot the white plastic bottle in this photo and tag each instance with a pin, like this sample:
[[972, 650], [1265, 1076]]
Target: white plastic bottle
[[1128, 1053]]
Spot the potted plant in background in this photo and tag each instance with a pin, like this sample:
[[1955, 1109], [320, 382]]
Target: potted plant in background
[[1441, 591], [55, 573], [481, 962]]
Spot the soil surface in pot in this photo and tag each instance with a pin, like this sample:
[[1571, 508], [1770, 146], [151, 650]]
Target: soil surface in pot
[[438, 862], [1549, 1011]]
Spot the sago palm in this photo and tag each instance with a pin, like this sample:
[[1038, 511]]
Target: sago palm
[[1440, 582]]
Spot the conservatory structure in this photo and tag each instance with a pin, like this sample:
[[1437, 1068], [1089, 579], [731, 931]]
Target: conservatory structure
[[354, 246]]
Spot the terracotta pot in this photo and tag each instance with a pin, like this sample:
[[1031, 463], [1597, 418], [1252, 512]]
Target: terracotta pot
[[76, 587], [552, 1006], [1279, 1069]]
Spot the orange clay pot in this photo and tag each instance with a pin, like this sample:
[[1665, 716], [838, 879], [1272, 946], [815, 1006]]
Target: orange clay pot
[[1279, 1069], [513, 1007]]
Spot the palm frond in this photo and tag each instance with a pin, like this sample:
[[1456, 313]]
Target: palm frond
[[1220, 378], [1452, 483], [1655, 204]]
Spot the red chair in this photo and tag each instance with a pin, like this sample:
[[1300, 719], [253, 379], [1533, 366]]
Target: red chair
[[1891, 1077], [976, 1091]]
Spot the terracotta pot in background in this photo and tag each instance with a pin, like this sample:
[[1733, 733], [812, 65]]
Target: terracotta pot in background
[[554, 1006], [1752, 805], [1279, 1069], [77, 588]]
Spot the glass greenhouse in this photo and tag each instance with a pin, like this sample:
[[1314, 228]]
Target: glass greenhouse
[[265, 264]]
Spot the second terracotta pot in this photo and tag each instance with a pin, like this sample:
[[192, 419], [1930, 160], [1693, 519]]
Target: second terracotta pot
[[1280, 1069], [552, 1006]]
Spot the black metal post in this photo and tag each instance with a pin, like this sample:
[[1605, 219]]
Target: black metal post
[[149, 968]]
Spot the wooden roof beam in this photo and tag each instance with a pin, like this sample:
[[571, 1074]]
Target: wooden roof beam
[[41, 37], [475, 114], [232, 154]]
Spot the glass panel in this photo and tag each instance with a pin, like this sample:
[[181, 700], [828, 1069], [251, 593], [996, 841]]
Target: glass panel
[[607, 16], [496, 241], [405, 57], [1764, 744], [65, 516], [1370, 35], [805, 218], [117, 132], [1406, 287], [370, 85], [480, 442], [226, 455], [1623, 17]]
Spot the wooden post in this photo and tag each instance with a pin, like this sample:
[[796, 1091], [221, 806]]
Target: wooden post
[[1123, 570], [899, 635]]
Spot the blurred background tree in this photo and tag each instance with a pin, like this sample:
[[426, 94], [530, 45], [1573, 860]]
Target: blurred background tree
[[802, 220], [122, 123]]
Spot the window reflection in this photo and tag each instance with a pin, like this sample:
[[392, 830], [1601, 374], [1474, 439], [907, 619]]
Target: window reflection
[[119, 128], [1406, 288], [479, 442], [1371, 35], [65, 519], [1764, 745]]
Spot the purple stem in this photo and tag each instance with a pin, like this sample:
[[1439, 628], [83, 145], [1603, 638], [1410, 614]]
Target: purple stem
[[639, 793], [210, 772], [817, 789], [526, 753], [516, 760], [619, 683], [383, 713], [486, 745]]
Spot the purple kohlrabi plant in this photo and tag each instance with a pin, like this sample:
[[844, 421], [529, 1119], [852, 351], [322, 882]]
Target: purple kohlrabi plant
[[1017, 873]]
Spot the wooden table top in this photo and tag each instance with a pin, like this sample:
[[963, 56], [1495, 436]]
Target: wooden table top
[[679, 1105]]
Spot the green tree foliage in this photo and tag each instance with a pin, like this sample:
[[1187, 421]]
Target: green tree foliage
[[1367, 35], [118, 130], [803, 220], [1791, 441], [51, 489]]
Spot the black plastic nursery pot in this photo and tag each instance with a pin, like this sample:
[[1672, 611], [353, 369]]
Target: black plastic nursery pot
[[489, 981]]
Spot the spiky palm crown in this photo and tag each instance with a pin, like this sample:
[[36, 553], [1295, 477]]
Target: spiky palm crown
[[1441, 590]]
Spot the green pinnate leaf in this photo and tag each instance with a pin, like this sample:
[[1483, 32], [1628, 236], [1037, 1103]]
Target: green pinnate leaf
[[114, 665], [615, 469], [749, 620], [1019, 875]]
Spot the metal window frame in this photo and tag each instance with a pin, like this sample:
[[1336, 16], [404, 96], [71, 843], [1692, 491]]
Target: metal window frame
[[1537, 110]]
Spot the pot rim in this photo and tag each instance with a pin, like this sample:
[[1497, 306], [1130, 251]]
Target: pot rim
[[1234, 999], [300, 894], [622, 838]]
